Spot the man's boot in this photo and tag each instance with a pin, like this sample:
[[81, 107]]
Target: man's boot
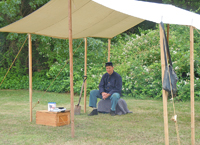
[[112, 113], [94, 112]]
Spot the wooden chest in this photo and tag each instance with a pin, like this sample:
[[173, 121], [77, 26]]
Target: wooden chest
[[45, 117]]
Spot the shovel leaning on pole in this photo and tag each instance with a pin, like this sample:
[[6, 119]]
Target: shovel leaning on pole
[[77, 108]]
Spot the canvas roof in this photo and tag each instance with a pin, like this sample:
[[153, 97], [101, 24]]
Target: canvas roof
[[98, 18], [154, 12]]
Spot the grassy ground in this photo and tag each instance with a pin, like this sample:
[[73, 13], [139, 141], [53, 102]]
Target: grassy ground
[[143, 127]]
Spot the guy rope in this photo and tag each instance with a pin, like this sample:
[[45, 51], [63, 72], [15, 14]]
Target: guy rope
[[13, 61], [197, 30]]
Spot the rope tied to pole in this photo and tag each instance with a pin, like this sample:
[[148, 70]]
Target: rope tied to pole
[[174, 118], [14, 61], [197, 30]]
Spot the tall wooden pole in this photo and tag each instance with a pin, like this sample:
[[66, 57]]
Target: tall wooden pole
[[71, 67], [85, 73], [192, 85], [30, 74], [164, 93], [109, 41]]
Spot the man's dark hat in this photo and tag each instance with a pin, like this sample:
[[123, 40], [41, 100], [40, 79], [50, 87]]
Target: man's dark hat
[[109, 64]]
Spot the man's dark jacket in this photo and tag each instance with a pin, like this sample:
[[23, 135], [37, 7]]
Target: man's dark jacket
[[111, 83]]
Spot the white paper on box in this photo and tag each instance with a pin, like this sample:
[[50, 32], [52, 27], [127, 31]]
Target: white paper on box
[[51, 106]]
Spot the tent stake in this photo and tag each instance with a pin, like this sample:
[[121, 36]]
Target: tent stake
[[85, 73], [71, 67], [109, 41], [192, 84], [164, 93], [30, 74]]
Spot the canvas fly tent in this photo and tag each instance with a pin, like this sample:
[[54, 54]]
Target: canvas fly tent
[[73, 19]]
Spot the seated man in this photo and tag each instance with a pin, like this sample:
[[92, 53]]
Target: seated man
[[109, 88]]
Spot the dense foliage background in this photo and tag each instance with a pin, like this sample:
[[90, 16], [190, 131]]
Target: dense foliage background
[[135, 54]]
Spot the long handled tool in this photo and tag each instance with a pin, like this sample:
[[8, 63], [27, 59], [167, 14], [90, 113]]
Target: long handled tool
[[77, 108]]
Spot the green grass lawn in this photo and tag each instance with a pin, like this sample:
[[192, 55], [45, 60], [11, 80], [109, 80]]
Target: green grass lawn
[[143, 127]]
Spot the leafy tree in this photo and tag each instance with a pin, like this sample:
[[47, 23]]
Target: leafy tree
[[191, 5]]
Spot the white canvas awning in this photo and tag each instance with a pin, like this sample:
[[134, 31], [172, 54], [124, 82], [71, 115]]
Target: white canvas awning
[[154, 12], [98, 18]]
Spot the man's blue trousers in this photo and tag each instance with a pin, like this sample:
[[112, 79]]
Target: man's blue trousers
[[94, 94]]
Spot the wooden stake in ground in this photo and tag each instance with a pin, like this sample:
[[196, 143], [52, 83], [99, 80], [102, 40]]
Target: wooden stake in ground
[[71, 67], [109, 41], [192, 84], [30, 74], [164, 93], [85, 73]]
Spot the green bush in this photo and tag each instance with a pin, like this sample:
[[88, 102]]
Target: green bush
[[139, 63]]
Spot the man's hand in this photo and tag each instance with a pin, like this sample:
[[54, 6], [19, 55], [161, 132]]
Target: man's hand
[[105, 95]]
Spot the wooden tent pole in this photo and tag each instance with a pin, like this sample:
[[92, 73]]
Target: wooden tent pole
[[30, 74], [168, 33], [71, 67], [164, 93], [109, 41], [85, 73], [192, 85]]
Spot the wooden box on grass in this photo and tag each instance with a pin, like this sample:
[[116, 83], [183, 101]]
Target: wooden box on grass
[[44, 117]]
